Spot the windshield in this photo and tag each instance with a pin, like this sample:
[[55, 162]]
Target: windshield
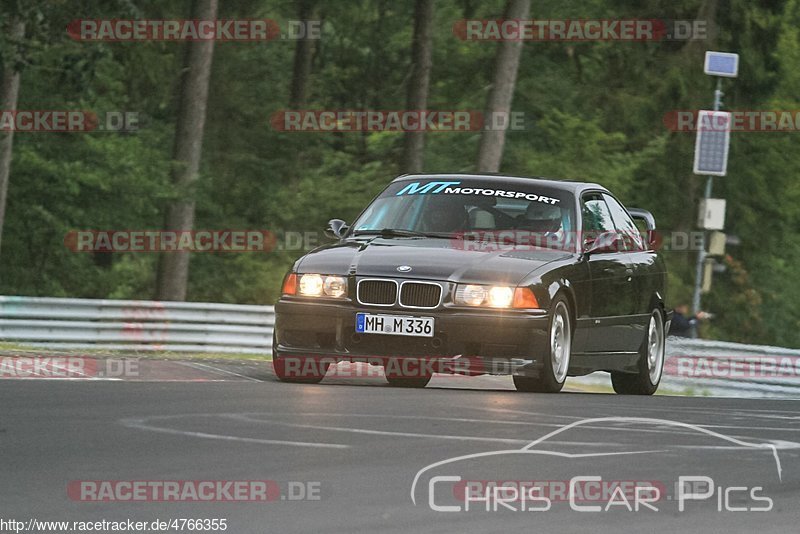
[[478, 210]]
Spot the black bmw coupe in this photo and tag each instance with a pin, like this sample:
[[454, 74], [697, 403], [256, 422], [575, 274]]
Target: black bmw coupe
[[481, 274]]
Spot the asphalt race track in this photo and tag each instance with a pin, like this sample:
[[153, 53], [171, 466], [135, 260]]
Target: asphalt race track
[[347, 455]]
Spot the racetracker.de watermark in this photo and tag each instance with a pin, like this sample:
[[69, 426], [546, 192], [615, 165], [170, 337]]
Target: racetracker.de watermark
[[409, 120], [144, 30], [170, 240], [733, 367], [67, 121], [524, 240], [575, 30], [787, 120], [193, 490], [70, 367], [300, 366]]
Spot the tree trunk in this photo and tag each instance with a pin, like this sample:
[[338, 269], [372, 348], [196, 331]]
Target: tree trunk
[[421, 48], [173, 268], [9, 94], [303, 52], [506, 64]]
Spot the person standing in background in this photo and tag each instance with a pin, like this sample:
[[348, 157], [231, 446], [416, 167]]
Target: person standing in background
[[684, 324]]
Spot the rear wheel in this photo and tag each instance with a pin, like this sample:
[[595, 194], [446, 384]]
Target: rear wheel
[[650, 364], [554, 368]]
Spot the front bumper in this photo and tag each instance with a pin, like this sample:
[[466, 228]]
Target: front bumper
[[316, 329]]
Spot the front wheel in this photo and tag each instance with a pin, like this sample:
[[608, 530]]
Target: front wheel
[[407, 373], [650, 364], [299, 370], [554, 368]]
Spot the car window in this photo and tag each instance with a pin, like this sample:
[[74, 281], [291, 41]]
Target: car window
[[523, 213], [630, 233], [596, 215]]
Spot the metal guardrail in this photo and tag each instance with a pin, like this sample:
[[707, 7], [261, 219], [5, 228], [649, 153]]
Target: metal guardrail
[[139, 325], [59, 323], [721, 368], [718, 368]]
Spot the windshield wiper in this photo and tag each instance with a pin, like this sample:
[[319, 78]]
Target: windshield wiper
[[398, 232], [390, 232]]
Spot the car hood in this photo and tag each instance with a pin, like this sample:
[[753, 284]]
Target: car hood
[[429, 259]]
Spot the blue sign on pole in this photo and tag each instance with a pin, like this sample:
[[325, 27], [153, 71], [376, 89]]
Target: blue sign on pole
[[721, 64]]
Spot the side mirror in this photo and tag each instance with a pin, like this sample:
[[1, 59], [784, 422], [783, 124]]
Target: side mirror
[[336, 228], [645, 218], [605, 242]]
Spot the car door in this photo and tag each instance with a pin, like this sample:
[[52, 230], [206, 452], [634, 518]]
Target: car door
[[611, 275], [644, 271]]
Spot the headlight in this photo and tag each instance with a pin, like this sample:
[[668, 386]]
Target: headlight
[[470, 295], [311, 285], [495, 296], [334, 286], [492, 296], [317, 285], [500, 297]]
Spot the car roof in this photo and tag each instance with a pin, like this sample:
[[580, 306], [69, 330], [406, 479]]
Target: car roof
[[567, 185]]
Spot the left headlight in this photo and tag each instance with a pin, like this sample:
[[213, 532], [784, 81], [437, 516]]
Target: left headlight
[[318, 285]]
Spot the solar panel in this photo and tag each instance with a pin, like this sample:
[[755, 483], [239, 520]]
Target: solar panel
[[712, 143]]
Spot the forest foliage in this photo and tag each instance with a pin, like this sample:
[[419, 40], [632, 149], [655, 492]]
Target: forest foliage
[[593, 111]]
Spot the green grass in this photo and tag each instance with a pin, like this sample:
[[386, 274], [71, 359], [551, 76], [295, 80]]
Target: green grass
[[17, 349]]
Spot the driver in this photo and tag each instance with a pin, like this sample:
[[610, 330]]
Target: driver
[[542, 218], [543, 221]]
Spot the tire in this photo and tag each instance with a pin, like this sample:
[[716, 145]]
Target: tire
[[297, 369], [555, 364], [651, 362], [397, 378]]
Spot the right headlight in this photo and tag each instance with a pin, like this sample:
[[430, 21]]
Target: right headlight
[[318, 285], [495, 296]]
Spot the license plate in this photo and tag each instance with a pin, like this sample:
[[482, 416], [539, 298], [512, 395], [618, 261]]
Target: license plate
[[394, 325]]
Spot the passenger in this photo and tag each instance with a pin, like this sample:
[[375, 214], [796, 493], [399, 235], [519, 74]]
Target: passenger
[[445, 214]]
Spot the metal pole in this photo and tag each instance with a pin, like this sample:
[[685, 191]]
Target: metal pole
[[701, 254]]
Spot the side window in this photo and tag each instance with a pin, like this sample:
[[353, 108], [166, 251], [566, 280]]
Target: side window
[[596, 216], [630, 233]]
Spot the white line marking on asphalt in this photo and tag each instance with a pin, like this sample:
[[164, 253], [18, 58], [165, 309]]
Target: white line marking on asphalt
[[521, 412], [140, 424], [665, 428], [246, 417], [716, 412], [217, 370], [413, 417], [64, 368]]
